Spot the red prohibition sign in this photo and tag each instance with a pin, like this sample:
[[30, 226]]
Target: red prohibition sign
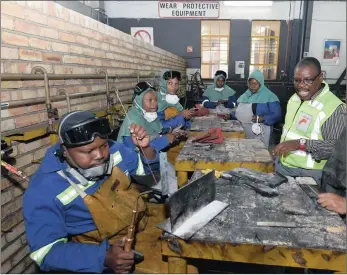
[[142, 34]]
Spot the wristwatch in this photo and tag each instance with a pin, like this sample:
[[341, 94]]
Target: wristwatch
[[302, 142]]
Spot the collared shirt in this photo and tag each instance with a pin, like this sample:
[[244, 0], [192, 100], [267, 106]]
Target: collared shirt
[[331, 131]]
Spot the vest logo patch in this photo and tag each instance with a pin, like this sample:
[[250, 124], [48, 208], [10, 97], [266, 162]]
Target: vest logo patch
[[304, 122]]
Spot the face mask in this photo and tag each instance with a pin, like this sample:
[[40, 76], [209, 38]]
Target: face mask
[[150, 116], [90, 173], [219, 89], [172, 99], [94, 172], [257, 128]]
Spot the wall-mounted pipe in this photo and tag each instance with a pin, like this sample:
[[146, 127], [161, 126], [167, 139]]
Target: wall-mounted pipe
[[138, 76], [51, 113], [23, 77], [41, 100], [109, 99], [63, 91]]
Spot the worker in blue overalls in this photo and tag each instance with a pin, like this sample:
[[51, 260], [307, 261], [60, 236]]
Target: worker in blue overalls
[[79, 202]]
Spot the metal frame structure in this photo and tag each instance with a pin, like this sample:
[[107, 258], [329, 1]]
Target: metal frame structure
[[40, 73]]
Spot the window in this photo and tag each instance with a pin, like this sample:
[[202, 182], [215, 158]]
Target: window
[[214, 46], [264, 47]]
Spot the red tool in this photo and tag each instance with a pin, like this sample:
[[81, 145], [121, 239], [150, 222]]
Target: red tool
[[214, 135]]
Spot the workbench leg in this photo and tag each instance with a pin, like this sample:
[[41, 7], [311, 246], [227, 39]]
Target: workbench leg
[[182, 178], [177, 265]]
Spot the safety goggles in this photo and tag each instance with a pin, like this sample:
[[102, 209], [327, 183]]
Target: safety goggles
[[172, 74], [141, 87], [85, 133]]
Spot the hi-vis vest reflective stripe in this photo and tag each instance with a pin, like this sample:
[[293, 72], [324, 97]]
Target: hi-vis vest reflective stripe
[[38, 255], [69, 194], [305, 120]]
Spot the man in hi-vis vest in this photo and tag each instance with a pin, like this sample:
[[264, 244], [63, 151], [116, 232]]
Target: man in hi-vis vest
[[314, 121]]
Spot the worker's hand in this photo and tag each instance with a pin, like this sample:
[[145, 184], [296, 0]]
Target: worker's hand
[[118, 260], [171, 137], [261, 119], [333, 202], [139, 135], [285, 147], [188, 114]]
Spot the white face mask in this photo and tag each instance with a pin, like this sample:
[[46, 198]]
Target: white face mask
[[94, 172], [219, 89], [150, 116], [172, 99], [257, 128]]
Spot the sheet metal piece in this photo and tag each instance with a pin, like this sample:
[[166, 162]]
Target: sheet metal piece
[[255, 185], [277, 224], [191, 198], [271, 180], [312, 191]]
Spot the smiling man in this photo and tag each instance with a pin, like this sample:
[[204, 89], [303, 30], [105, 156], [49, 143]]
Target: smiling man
[[314, 121]]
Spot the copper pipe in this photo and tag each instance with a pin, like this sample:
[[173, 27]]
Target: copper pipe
[[23, 77], [63, 91], [131, 229]]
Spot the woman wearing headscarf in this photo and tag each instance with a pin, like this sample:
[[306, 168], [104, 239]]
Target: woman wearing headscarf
[[258, 109], [219, 97], [144, 113], [170, 111]]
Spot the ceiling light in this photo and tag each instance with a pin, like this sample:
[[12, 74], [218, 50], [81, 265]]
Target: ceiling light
[[248, 3]]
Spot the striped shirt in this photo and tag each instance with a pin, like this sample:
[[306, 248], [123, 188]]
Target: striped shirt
[[331, 131]]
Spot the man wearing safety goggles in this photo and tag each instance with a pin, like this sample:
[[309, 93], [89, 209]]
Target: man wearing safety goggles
[[80, 201]]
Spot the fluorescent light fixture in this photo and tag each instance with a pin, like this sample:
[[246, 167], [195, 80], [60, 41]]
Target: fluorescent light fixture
[[248, 3]]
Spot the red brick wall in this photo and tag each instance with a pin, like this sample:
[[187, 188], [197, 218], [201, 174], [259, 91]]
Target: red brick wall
[[43, 33]]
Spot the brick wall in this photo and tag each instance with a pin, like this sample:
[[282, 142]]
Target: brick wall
[[43, 33]]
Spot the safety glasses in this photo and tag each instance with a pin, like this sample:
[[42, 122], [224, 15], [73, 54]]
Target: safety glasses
[[85, 133]]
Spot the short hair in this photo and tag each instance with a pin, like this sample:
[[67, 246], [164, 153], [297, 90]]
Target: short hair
[[309, 61]]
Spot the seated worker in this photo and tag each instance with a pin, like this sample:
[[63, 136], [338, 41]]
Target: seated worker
[[170, 111], [334, 179], [219, 97], [314, 121], [144, 113], [258, 105], [79, 202]]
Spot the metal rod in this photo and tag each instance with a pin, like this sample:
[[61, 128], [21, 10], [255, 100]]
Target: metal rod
[[131, 229], [39, 100], [63, 91], [23, 77], [109, 100], [14, 170], [138, 76]]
